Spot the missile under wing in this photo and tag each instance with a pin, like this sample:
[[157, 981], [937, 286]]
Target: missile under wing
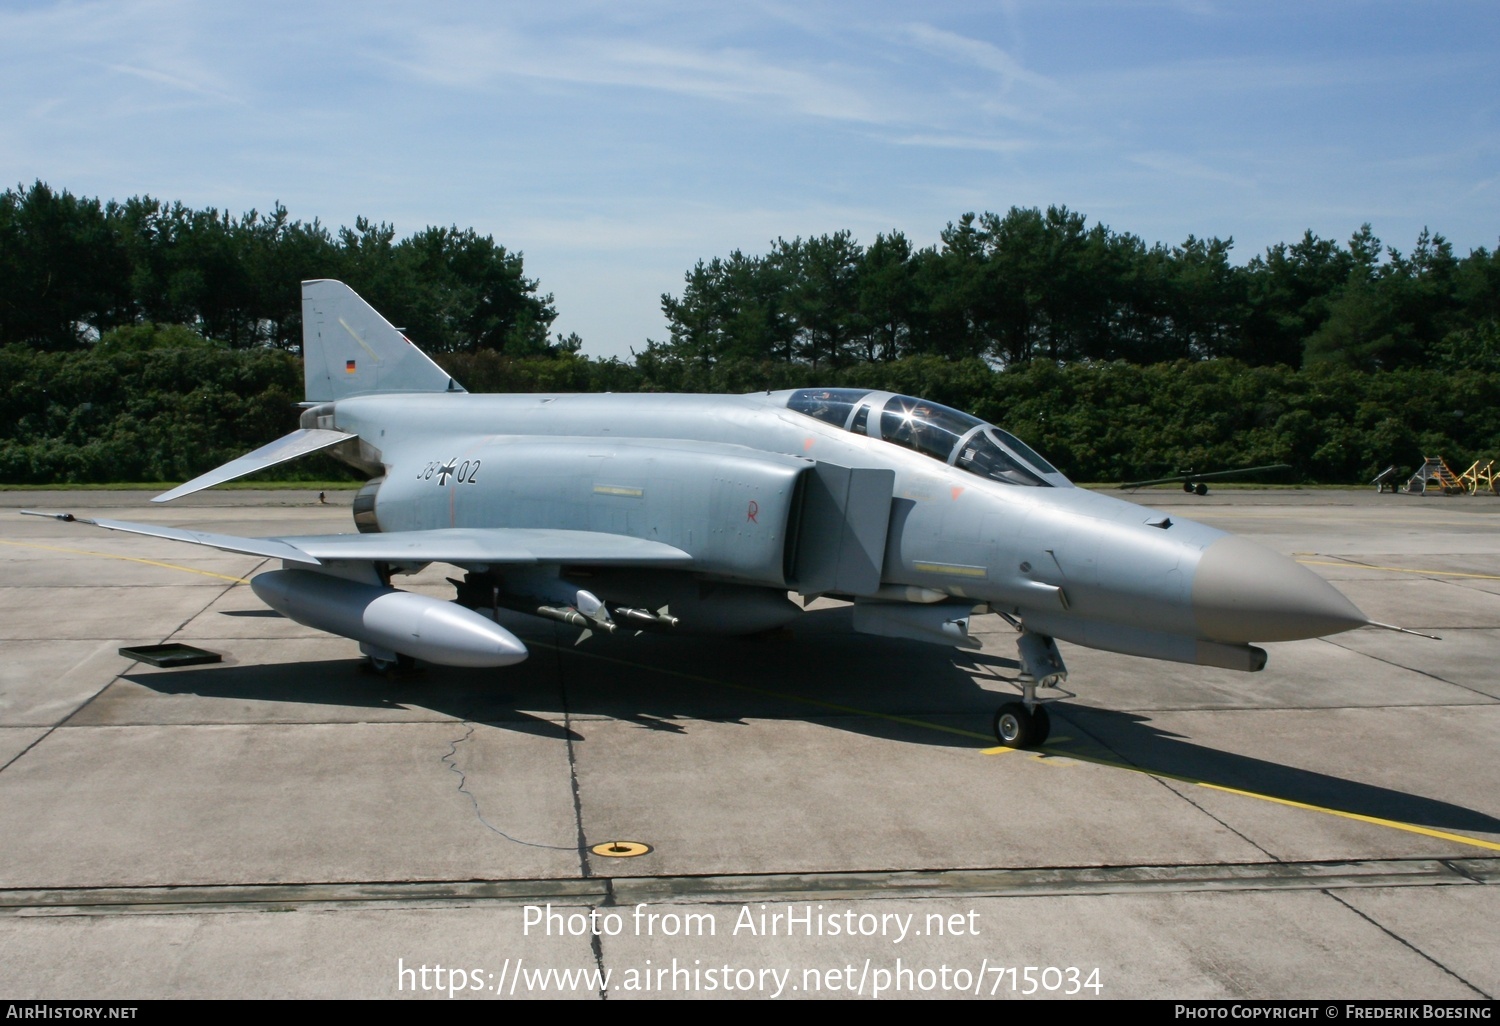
[[704, 513]]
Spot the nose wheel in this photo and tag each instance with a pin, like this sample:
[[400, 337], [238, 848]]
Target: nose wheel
[[1019, 727]]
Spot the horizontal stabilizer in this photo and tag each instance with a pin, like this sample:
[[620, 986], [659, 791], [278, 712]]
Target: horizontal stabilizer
[[289, 447]]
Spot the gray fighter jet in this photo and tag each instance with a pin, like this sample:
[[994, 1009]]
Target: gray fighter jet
[[701, 513]]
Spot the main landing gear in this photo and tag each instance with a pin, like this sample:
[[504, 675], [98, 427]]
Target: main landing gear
[[1026, 724]]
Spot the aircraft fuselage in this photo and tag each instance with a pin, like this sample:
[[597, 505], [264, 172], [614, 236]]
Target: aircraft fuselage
[[724, 478]]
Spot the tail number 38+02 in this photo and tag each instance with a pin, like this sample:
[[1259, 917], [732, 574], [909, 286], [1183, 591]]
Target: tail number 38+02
[[466, 472]]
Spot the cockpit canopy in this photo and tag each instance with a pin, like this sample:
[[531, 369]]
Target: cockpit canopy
[[945, 434]]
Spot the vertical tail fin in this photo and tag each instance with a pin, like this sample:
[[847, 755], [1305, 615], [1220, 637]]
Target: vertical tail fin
[[348, 348]]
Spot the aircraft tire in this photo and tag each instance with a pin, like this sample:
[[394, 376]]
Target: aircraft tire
[[1041, 725], [1201, 488], [1187, 486], [1014, 725]]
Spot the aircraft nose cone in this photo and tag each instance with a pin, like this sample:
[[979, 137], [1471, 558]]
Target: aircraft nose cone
[[1244, 592]]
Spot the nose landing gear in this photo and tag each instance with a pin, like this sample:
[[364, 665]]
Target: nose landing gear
[[1026, 724]]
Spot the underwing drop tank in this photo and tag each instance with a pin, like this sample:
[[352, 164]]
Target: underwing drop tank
[[389, 620]]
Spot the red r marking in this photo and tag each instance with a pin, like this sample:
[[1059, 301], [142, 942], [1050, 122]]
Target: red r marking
[[751, 511]]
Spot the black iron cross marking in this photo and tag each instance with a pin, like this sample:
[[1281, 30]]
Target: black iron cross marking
[[447, 471]]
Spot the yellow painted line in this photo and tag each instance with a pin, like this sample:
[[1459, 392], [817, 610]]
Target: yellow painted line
[[128, 559], [1044, 753], [1039, 754], [1393, 824], [1399, 569]]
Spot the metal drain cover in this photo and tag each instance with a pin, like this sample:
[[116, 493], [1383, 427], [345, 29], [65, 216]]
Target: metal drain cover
[[171, 655]]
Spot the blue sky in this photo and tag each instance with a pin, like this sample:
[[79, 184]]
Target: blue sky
[[615, 144]]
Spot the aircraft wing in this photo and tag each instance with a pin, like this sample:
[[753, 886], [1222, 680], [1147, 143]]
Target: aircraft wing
[[1189, 475], [498, 545], [509, 545]]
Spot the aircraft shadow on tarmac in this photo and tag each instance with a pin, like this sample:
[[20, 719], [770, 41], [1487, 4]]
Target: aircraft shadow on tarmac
[[1129, 739], [822, 672]]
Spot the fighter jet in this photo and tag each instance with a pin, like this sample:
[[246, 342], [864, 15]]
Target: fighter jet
[[706, 513]]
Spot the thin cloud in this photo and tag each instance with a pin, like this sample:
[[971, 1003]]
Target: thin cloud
[[1257, 76], [461, 58], [175, 82], [1482, 186], [64, 46], [1185, 167], [963, 142], [976, 53]]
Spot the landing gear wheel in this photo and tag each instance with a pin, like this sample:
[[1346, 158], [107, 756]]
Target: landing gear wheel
[[1200, 488], [1016, 727], [1011, 723], [1187, 486]]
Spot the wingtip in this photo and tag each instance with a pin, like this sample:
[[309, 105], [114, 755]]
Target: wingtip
[[67, 518]]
